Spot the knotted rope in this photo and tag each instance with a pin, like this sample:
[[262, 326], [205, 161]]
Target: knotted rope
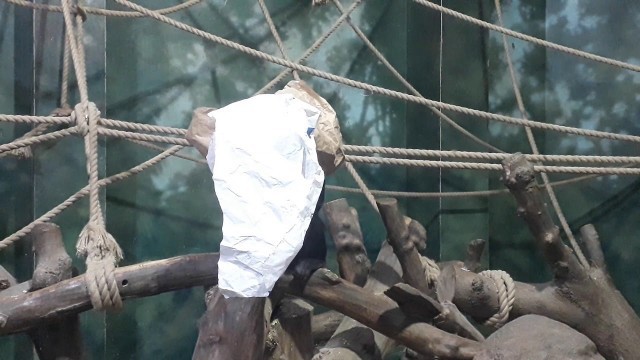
[[101, 250]]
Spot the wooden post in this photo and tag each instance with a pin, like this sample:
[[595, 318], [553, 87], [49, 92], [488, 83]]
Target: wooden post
[[344, 227], [231, 329], [405, 249], [292, 331], [62, 339], [352, 340]]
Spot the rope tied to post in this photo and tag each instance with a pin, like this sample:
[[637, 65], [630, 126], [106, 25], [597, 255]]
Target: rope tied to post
[[100, 248]]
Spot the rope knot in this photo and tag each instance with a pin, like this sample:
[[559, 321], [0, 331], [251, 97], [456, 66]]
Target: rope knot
[[80, 117], [102, 253], [84, 115], [79, 10]]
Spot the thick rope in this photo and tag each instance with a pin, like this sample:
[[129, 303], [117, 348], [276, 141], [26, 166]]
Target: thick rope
[[31, 119], [49, 215], [430, 163], [276, 35], [143, 137], [491, 167], [531, 39], [142, 127], [490, 156], [160, 148], [376, 89], [104, 12], [409, 87], [100, 249], [31, 140], [313, 48], [362, 149], [66, 67], [534, 147], [450, 194], [506, 296], [363, 187]]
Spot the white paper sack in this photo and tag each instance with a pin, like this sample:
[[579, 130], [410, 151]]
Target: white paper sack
[[268, 180]]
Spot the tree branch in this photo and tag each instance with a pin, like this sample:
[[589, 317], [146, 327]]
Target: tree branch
[[344, 227], [61, 339], [519, 177], [404, 248]]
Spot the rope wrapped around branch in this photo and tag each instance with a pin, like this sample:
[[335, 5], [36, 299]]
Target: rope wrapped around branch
[[506, 294]]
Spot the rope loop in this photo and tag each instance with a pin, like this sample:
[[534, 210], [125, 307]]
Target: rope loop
[[102, 253], [102, 284], [506, 296]]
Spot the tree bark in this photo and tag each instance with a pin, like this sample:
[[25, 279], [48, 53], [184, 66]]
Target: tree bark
[[344, 227], [292, 329], [231, 329], [586, 296], [404, 248], [382, 314], [61, 339], [354, 341], [324, 325], [23, 311]]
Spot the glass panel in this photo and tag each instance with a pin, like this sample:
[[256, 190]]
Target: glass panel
[[511, 246], [144, 71], [16, 177]]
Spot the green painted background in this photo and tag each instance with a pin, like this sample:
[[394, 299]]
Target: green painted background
[[144, 71]]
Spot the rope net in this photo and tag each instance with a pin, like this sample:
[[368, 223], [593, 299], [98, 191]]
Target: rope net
[[100, 248]]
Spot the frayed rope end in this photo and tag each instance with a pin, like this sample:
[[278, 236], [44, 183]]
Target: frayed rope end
[[95, 242]]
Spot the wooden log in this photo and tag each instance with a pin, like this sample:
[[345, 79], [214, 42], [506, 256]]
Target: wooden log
[[344, 227], [352, 340], [61, 339], [23, 311], [292, 328], [587, 296], [413, 302], [231, 329], [405, 240], [382, 314], [404, 248], [475, 295], [53, 264], [324, 325]]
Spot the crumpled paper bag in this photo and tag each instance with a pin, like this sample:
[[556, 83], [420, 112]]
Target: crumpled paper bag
[[327, 135], [267, 180]]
